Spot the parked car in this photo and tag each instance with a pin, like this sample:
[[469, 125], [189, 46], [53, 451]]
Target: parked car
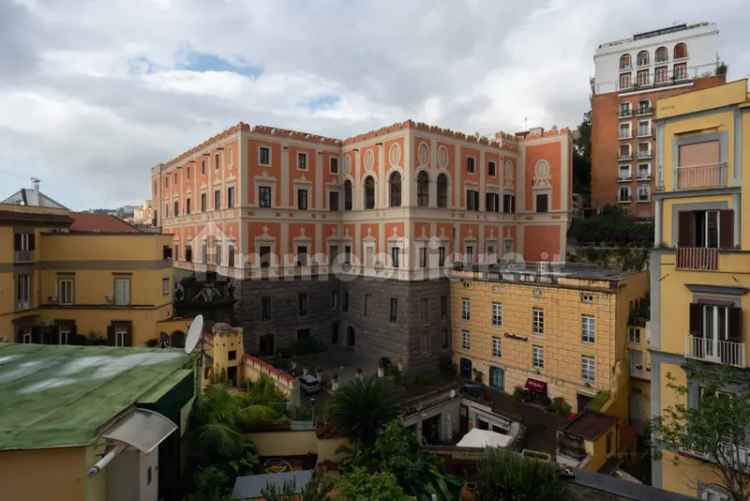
[[309, 384]]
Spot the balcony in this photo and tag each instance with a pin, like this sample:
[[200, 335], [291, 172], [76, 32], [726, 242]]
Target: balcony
[[698, 258], [715, 351], [644, 155], [624, 158], [24, 256], [693, 177], [626, 135], [644, 111], [625, 113], [645, 132]]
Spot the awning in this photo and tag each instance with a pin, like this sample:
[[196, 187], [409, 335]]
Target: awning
[[480, 439], [536, 386], [142, 429]]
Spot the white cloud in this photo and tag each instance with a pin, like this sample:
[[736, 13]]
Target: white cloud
[[95, 93]]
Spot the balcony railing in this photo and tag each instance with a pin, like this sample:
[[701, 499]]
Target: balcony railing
[[625, 113], [24, 256], [698, 258], [691, 177], [716, 351], [644, 155], [645, 111], [623, 158]]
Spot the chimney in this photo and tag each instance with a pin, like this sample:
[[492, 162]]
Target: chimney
[[35, 183]]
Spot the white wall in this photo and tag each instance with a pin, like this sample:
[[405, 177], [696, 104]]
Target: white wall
[[702, 44]]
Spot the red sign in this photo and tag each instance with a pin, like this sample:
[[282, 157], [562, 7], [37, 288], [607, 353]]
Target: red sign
[[536, 386]]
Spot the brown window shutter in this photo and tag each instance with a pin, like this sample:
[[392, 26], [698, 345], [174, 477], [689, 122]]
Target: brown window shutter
[[31, 241], [695, 320], [685, 237], [735, 324], [17, 242], [726, 228]]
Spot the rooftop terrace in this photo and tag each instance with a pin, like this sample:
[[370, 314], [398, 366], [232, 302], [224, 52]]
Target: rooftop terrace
[[62, 396]]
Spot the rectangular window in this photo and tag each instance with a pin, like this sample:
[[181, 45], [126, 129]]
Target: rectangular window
[[217, 199], [230, 197], [492, 168], [497, 347], [203, 167], [466, 340], [623, 194], [644, 128], [395, 256], [588, 369], [472, 200], [588, 329], [347, 255], [423, 257], [189, 253], [122, 291], [302, 304], [497, 314], [642, 77], [624, 171], [217, 254], [232, 355], [542, 202], [301, 255], [121, 335], [264, 155], [265, 308], [230, 252], [188, 206], [425, 309], [333, 200], [624, 130], [65, 291], [345, 304], [492, 202], [587, 298], [334, 165], [625, 109], [466, 309], [176, 208], [443, 307], [302, 161], [680, 71], [203, 202], [661, 74], [394, 309], [634, 334], [644, 193], [509, 203], [537, 326], [302, 199], [441, 256], [644, 171], [264, 196], [626, 81], [165, 286], [265, 256], [470, 166], [537, 357]]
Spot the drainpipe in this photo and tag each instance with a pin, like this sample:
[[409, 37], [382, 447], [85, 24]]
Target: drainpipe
[[105, 460]]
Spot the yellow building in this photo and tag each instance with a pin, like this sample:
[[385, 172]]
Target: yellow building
[[67, 276], [224, 350], [560, 332], [700, 266]]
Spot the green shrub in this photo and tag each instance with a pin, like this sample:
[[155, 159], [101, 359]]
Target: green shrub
[[506, 475], [256, 416], [560, 406]]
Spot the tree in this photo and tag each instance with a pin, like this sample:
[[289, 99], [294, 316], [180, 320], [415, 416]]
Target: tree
[[582, 157], [362, 485], [504, 474], [712, 422], [319, 489], [398, 452], [361, 408]]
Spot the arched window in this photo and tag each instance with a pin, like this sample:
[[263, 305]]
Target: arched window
[[395, 190], [643, 58], [369, 193], [662, 54], [423, 189], [442, 191], [350, 337], [348, 195], [680, 50], [625, 62]]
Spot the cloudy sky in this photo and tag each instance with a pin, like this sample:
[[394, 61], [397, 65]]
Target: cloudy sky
[[94, 93]]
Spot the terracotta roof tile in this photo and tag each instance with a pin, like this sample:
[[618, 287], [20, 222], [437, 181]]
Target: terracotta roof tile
[[100, 223]]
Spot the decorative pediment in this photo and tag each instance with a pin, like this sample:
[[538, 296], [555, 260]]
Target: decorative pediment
[[394, 155]]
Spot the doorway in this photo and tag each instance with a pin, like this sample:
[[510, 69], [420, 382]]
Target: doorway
[[266, 344]]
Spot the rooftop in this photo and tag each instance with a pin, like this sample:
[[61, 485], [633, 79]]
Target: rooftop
[[93, 384], [677, 28], [544, 273], [591, 425], [90, 222], [34, 198]]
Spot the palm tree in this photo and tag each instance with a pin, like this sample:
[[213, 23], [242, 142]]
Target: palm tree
[[362, 407]]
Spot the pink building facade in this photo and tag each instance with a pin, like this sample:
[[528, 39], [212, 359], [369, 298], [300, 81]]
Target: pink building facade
[[398, 205]]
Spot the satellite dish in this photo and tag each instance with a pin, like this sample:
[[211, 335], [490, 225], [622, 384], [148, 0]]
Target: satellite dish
[[194, 334]]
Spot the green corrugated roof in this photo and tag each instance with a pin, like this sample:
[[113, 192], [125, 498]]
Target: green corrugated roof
[[57, 396]]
